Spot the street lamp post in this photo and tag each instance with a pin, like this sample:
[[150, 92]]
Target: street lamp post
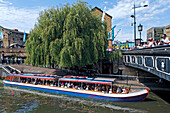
[[140, 29], [134, 23]]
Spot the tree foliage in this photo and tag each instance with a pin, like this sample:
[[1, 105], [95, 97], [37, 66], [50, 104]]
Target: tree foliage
[[68, 36]]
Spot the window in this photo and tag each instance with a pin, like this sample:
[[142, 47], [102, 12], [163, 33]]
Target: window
[[8, 77], [16, 79]]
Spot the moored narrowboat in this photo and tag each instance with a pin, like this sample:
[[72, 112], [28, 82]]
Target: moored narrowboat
[[94, 88]]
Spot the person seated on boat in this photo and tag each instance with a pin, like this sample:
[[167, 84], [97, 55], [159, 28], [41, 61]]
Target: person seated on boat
[[124, 90], [92, 87], [55, 84], [76, 87], [110, 91], [51, 84], [96, 88], [99, 88], [41, 82], [62, 84], [66, 84], [119, 90], [36, 82], [31, 81], [87, 87], [107, 89], [28, 80], [47, 83], [84, 87], [81, 88], [114, 89], [103, 89], [71, 85]]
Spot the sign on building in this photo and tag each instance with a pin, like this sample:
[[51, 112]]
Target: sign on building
[[167, 30], [155, 33], [158, 32]]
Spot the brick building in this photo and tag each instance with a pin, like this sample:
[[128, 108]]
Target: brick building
[[12, 43], [108, 19], [10, 36], [105, 66], [167, 30], [155, 33]]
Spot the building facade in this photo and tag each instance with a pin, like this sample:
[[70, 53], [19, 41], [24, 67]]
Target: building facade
[[12, 43], [155, 33], [167, 30], [106, 67], [10, 36], [108, 19]]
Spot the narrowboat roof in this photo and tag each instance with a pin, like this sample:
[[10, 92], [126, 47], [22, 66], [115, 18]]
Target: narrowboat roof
[[35, 77], [87, 80]]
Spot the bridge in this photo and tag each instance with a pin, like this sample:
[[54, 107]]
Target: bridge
[[155, 60]]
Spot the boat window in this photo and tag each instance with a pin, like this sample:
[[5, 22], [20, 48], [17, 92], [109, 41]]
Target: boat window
[[8, 77], [16, 79]]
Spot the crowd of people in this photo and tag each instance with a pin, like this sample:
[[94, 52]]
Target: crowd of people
[[153, 43], [77, 86], [8, 60], [99, 87]]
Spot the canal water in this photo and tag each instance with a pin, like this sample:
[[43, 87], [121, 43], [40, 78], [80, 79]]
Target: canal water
[[13, 100]]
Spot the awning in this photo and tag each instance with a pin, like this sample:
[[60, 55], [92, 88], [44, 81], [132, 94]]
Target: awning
[[106, 82], [38, 77]]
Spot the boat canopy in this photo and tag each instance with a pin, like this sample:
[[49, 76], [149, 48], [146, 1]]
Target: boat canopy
[[36, 77], [45, 75], [88, 80]]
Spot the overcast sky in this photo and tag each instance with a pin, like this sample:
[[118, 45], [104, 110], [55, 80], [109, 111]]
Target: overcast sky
[[22, 14]]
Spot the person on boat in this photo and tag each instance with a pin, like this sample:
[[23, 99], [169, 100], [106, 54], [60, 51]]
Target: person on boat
[[87, 87], [124, 90], [103, 89], [99, 88], [41, 82], [47, 83], [96, 88], [72, 85], [107, 89], [55, 84], [76, 87], [36, 82], [62, 84], [68, 85], [31, 81], [119, 90], [81, 88], [51, 84], [110, 91], [92, 87]]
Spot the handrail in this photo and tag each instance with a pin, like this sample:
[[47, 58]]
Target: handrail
[[6, 70]]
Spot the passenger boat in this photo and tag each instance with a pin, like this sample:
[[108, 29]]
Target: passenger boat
[[75, 86]]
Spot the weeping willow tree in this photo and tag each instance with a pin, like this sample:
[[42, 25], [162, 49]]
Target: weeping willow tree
[[68, 36]]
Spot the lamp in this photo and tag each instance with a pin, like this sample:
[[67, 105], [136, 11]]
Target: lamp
[[133, 16], [140, 29]]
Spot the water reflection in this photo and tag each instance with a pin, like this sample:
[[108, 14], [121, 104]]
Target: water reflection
[[21, 100]]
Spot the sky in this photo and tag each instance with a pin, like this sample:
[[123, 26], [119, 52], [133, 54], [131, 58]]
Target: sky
[[23, 14]]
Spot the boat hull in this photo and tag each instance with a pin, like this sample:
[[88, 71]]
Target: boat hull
[[139, 96]]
